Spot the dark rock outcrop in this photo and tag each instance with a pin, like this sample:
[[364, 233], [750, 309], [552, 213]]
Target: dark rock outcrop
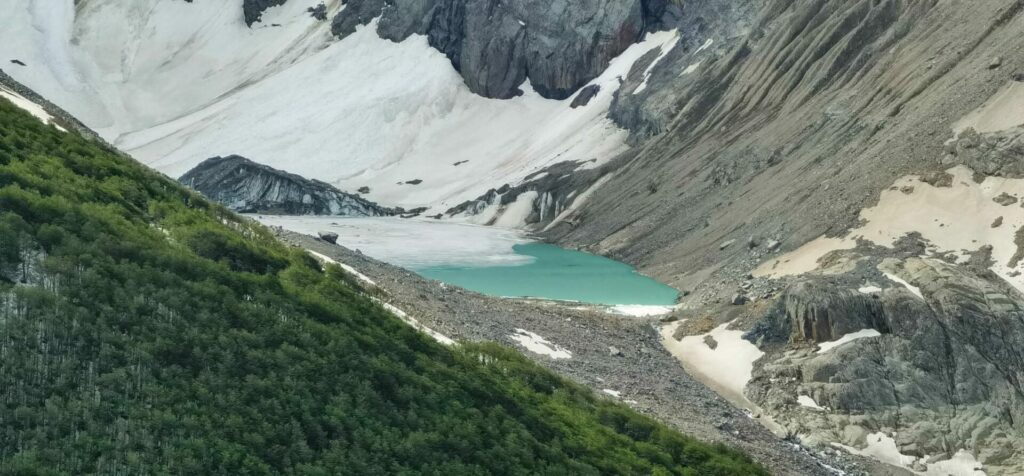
[[945, 371], [557, 45], [585, 95], [247, 187], [253, 9]]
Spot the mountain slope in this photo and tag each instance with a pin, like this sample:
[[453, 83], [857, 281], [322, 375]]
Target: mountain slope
[[144, 330]]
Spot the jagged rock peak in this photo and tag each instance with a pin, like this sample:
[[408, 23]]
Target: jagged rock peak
[[248, 187]]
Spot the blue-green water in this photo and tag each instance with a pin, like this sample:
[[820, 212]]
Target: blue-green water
[[557, 273]]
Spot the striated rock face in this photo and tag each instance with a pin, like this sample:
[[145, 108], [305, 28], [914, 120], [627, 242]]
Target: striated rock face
[[245, 186], [557, 45], [946, 372]]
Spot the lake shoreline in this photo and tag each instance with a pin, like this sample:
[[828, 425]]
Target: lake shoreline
[[622, 358]]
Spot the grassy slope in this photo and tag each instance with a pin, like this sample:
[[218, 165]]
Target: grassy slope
[[144, 330]]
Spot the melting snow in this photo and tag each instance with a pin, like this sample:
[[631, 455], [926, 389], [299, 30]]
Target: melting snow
[[827, 346], [638, 310], [538, 345], [441, 338], [913, 289], [883, 448], [669, 41], [26, 104], [172, 91], [806, 401]]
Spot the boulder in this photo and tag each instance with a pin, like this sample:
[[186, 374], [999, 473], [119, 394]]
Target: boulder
[[328, 236], [585, 95], [1005, 199]]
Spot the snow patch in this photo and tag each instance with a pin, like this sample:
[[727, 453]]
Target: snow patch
[[913, 289], [172, 91], [861, 334], [869, 289], [669, 41], [26, 104], [614, 393], [956, 219], [640, 310], [883, 448], [405, 317], [729, 365], [539, 345], [348, 269], [806, 401]]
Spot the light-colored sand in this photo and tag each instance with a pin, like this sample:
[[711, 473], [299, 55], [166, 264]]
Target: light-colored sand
[[1004, 110], [729, 364], [956, 219]]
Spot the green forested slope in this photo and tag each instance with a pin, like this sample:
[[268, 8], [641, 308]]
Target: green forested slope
[[145, 331]]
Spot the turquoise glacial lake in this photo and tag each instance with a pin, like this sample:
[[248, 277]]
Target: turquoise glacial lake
[[488, 260], [558, 273]]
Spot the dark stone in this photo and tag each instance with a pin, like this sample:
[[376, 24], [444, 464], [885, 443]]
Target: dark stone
[[17, 62], [328, 236], [585, 95], [318, 12], [364, 189], [247, 187], [414, 182], [253, 9]]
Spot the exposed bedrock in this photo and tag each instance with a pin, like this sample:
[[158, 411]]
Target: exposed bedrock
[[497, 45], [789, 125], [247, 187], [253, 9], [944, 374]]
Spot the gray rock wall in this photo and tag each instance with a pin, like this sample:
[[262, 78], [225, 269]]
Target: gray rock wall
[[247, 187]]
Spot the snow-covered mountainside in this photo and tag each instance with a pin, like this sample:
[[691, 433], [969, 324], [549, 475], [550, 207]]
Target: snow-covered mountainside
[[174, 82]]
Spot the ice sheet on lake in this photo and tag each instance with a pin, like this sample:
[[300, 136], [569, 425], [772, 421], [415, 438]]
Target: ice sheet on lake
[[414, 244]]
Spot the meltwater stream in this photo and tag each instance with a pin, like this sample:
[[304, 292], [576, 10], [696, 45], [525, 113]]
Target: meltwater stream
[[488, 260]]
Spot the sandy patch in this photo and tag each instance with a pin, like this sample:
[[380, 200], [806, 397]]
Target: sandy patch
[[1004, 110], [729, 364], [956, 219]]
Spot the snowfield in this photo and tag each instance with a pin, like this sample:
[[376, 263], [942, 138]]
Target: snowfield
[[174, 83]]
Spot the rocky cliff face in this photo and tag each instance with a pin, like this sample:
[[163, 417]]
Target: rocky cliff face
[[941, 372], [247, 187], [498, 45]]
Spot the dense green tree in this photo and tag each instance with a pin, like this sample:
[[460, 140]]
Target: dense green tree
[[144, 330]]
